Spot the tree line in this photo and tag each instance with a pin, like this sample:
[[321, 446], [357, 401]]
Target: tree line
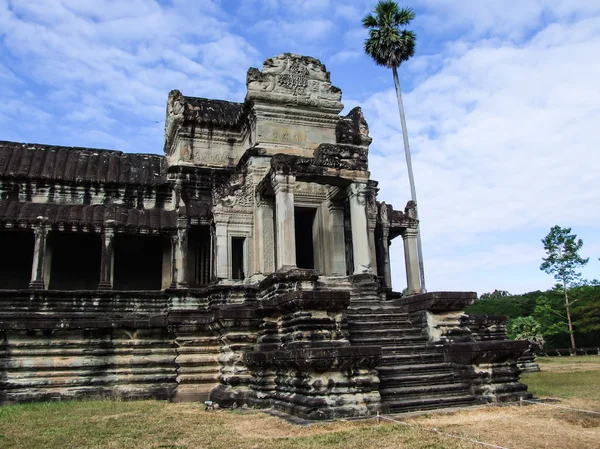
[[567, 315]]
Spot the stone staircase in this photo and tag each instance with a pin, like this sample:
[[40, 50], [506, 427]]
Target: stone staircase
[[413, 374]]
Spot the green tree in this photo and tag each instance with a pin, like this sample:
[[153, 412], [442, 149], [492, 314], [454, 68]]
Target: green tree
[[547, 312], [525, 328], [495, 294], [389, 46], [562, 261]]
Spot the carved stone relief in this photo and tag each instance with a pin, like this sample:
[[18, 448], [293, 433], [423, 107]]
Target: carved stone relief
[[303, 80]]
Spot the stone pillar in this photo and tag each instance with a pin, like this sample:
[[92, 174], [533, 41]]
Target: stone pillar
[[411, 260], [173, 253], [265, 237], [283, 185], [39, 255], [357, 192], [385, 247], [373, 246], [181, 253], [337, 250], [212, 256], [107, 260], [221, 249]]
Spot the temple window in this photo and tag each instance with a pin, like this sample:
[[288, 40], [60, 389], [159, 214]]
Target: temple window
[[138, 262], [305, 223], [199, 251], [74, 260], [237, 258], [15, 266]]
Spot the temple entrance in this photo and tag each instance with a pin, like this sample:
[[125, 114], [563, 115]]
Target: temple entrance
[[74, 260], [237, 258], [15, 265], [138, 262], [199, 256], [304, 222]]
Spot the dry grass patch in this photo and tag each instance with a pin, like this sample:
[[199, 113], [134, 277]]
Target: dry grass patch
[[532, 426], [154, 424]]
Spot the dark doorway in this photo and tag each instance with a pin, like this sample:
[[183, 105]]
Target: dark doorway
[[138, 262], [237, 257], [16, 258], [199, 256], [304, 219], [75, 260]]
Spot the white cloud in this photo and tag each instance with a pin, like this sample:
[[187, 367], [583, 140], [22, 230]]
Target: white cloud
[[119, 60], [504, 138]]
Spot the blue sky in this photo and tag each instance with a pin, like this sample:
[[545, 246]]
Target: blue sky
[[502, 102]]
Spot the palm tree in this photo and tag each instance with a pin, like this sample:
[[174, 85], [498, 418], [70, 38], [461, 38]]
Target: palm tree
[[389, 47]]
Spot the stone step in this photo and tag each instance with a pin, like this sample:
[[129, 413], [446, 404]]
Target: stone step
[[378, 317], [449, 389], [395, 369], [411, 347], [387, 336], [404, 379], [411, 359], [514, 396], [429, 403], [392, 344], [383, 330]]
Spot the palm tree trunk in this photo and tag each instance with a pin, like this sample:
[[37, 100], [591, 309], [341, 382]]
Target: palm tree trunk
[[568, 307], [411, 179]]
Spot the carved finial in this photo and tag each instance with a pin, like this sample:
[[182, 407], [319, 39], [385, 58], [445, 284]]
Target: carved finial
[[411, 210], [294, 80]]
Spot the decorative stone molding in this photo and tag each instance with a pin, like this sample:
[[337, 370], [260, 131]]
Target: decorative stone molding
[[294, 80]]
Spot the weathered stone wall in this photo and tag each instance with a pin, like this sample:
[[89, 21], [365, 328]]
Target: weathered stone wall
[[311, 346], [65, 344], [303, 362]]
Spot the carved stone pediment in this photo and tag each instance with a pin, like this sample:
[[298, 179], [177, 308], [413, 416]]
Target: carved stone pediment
[[294, 80], [237, 195]]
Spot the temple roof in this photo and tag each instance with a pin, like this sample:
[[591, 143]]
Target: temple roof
[[93, 215], [23, 161], [214, 112]]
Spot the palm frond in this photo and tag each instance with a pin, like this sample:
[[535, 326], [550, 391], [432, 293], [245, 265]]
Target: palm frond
[[369, 21], [387, 44]]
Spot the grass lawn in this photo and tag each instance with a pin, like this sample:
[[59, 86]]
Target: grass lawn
[[120, 424], [566, 378]]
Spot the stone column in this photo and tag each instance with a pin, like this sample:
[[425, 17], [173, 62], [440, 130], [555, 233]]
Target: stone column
[[373, 246], [39, 255], [385, 247], [211, 276], [337, 251], [107, 260], [411, 260], [283, 185], [357, 192], [221, 249], [174, 245], [181, 253], [265, 237]]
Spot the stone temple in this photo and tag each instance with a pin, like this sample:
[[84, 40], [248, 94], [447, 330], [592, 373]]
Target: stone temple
[[248, 265]]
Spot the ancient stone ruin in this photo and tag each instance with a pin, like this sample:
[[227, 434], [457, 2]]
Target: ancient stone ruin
[[248, 265]]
